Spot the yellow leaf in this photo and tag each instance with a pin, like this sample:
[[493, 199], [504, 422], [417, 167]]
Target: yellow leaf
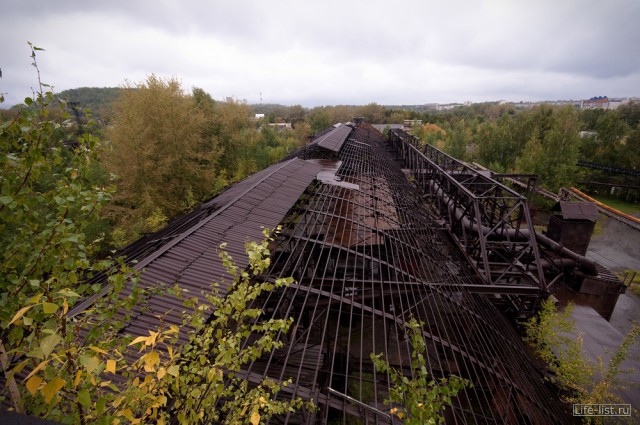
[[52, 388], [117, 401], [20, 313], [98, 350], [34, 371], [34, 299], [18, 368], [76, 381], [161, 372], [65, 307], [49, 308], [173, 329], [111, 366], [255, 418], [138, 340], [33, 384], [151, 339], [151, 359]]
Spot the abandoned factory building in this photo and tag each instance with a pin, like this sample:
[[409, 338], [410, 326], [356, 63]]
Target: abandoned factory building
[[370, 247]]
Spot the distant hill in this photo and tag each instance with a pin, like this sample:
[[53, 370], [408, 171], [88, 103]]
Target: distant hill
[[94, 98]]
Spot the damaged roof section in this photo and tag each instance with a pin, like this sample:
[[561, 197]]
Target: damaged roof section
[[334, 140], [367, 257], [186, 252]]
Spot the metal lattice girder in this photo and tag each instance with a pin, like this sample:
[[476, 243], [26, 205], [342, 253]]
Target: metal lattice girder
[[367, 256], [490, 221]]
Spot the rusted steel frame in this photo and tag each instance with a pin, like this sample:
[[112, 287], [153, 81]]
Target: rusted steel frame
[[453, 347], [476, 217]]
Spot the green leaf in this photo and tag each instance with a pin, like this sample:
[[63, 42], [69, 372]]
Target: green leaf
[[89, 362], [173, 370], [84, 398], [49, 308], [68, 293], [49, 343]]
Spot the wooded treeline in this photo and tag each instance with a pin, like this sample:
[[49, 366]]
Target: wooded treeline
[[544, 140], [166, 149]]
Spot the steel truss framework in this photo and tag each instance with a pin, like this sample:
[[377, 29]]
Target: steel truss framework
[[490, 222], [367, 256]]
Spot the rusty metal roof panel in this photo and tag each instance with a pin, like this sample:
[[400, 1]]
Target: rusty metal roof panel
[[367, 257], [334, 139], [190, 259], [577, 210]]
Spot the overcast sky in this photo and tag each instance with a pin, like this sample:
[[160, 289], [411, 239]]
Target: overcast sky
[[326, 52]]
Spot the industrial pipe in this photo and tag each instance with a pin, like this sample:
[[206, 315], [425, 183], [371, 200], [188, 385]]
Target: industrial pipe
[[584, 264]]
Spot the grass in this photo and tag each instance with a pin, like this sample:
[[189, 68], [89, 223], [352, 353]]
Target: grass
[[626, 207]]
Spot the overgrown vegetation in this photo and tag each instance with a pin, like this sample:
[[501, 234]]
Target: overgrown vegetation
[[553, 336], [420, 398], [78, 368]]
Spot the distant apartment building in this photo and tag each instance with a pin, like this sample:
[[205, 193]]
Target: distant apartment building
[[598, 102], [603, 102]]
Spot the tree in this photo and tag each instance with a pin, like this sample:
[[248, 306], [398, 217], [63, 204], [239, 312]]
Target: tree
[[318, 119], [553, 149], [72, 362], [372, 113], [611, 130], [162, 152], [46, 204]]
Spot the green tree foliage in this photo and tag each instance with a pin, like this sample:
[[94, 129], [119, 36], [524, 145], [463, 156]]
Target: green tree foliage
[[553, 149], [554, 339], [372, 113], [46, 204], [163, 153], [319, 119], [611, 130], [97, 99], [71, 361], [630, 113], [420, 398]]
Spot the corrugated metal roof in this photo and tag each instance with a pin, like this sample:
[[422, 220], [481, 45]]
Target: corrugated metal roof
[[334, 139], [367, 257], [261, 200]]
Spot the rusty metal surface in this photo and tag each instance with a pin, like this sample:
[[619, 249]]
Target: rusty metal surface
[[334, 139], [367, 257], [577, 210]]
